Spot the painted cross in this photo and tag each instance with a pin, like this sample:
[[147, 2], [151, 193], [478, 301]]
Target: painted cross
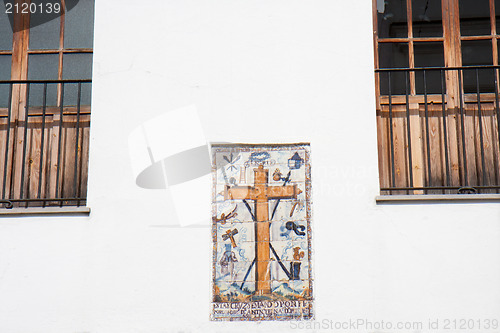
[[230, 235], [261, 193]]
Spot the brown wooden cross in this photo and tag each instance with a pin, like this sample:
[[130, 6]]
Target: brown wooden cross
[[261, 193], [230, 235]]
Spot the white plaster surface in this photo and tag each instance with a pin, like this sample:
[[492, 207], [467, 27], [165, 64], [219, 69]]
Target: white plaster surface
[[257, 71]]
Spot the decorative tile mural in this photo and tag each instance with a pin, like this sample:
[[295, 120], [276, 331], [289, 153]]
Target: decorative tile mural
[[261, 232]]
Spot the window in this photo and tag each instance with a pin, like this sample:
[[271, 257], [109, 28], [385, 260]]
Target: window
[[45, 90], [438, 120]]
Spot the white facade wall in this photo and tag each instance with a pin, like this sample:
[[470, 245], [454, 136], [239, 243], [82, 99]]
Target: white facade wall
[[257, 71]]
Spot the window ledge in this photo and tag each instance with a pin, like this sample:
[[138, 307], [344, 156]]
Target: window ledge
[[40, 211], [444, 198]]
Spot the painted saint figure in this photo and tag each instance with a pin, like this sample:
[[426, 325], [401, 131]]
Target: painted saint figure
[[227, 263]]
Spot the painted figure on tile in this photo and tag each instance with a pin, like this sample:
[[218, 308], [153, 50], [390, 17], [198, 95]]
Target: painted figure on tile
[[227, 262]]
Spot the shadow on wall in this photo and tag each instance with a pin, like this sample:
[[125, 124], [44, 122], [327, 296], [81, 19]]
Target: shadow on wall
[[171, 152]]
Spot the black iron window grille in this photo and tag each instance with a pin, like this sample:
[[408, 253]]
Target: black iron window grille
[[446, 139], [44, 140]]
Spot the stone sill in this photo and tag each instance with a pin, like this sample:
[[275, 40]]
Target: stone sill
[[41, 211], [437, 198]]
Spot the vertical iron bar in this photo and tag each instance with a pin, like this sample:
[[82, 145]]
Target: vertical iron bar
[[21, 192], [445, 129], [59, 143], [40, 169], [480, 118], [427, 138], [464, 156], [410, 163], [9, 110], [77, 141], [497, 109], [393, 177]]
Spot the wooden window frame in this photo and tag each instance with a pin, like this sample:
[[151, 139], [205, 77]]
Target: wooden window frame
[[414, 104], [77, 117], [20, 49]]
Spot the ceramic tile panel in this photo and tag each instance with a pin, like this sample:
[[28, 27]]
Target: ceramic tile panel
[[261, 230]]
